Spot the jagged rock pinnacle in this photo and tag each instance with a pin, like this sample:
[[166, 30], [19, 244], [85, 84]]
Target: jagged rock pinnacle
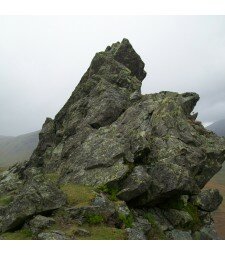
[[147, 149]]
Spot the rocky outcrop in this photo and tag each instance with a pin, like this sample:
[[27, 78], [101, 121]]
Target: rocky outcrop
[[146, 153]]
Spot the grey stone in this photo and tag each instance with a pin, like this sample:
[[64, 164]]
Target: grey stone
[[207, 232], [82, 232], [135, 234], [208, 200], [52, 235], [177, 217], [122, 208], [136, 183], [39, 223], [176, 234], [160, 219], [34, 198], [108, 134]]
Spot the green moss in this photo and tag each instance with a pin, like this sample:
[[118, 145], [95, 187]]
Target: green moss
[[155, 232], [2, 169], [5, 200], [111, 191], [193, 211], [127, 220], [53, 177], [197, 236], [78, 194], [150, 217], [178, 204], [22, 234], [102, 232], [94, 218]]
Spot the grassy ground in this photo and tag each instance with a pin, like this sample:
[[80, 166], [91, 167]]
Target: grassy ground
[[78, 194], [102, 232]]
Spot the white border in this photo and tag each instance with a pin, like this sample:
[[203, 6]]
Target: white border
[[112, 247], [112, 7]]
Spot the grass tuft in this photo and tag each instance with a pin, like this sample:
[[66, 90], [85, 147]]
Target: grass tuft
[[94, 219], [5, 200], [127, 220], [156, 232], [111, 191], [102, 232], [22, 234], [78, 194], [53, 177]]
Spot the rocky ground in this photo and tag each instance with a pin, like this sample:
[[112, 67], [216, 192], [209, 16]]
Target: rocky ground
[[116, 164]]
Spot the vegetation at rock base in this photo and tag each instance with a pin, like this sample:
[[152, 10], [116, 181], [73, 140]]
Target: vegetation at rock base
[[111, 191], [5, 200], [178, 204], [78, 194], [155, 232], [53, 177], [94, 219], [127, 220], [102, 232], [95, 225], [2, 169], [22, 234]]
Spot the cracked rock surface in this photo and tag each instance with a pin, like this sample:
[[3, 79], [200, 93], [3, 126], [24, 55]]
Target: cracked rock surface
[[146, 152]]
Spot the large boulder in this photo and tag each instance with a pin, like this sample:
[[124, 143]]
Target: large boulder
[[141, 149], [35, 198]]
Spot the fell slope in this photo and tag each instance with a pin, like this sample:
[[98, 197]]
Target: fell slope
[[17, 149], [218, 127]]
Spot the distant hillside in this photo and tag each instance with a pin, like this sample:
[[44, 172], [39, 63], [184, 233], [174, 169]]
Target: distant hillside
[[218, 127], [17, 149]]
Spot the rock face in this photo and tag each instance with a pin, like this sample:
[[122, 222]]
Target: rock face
[[144, 150]]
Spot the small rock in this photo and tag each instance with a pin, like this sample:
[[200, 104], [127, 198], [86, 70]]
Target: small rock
[[142, 224], [176, 234], [136, 184], [40, 222], [135, 234], [177, 217], [135, 96], [160, 219], [82, 232], [53, 235], [122, 208], [208, 200], [208, 232]]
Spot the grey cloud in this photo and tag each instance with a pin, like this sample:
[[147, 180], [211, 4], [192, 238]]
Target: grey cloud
[[42, 59]]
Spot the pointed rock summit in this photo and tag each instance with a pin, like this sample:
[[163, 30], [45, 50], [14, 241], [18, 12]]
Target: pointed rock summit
[[147, 152]]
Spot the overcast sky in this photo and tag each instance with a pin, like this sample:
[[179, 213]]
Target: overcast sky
[[42, 59]]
